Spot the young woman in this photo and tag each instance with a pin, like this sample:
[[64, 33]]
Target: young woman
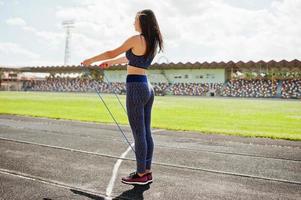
[[140, 51]]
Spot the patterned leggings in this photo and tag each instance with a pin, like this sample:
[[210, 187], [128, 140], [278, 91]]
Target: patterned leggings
[[139, 101]]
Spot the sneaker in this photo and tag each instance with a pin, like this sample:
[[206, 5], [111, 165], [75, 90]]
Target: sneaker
[[149, 177], [135, 179]]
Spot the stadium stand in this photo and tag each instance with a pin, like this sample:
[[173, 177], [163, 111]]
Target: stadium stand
[[233, 88], [291, 88], [250, 88], [281, 79]]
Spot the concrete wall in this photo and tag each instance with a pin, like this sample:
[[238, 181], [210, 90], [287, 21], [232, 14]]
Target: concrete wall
[[174, 75], [196, 75]]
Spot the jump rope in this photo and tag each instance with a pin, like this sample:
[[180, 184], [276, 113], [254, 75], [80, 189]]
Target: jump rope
[[86, 69]]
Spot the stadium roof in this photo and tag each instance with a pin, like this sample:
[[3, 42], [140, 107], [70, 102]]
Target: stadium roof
[[284, 65]]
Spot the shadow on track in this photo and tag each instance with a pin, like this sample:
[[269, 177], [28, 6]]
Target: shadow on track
[[136, 193], [91, 196]]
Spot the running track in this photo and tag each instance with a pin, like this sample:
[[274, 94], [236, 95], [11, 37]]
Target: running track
[[59, 159]]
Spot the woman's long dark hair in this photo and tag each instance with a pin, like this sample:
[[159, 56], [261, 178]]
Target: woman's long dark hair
[[151, 32]]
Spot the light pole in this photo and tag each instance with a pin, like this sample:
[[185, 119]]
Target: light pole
[[68, 25]]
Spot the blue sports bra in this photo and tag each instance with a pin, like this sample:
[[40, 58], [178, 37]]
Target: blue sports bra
[[138, 61]]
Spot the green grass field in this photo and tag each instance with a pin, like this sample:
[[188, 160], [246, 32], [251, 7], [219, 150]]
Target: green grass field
[[231, 116]]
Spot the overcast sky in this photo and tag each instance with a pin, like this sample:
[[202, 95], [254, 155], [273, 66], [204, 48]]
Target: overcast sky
[[31, 32]]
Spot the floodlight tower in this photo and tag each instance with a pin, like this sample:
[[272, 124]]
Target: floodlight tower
[[68, 25]]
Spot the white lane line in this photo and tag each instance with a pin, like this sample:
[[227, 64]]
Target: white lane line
[[114, 173], [115, 170], [48, 181], [64, 148], [157, 130]]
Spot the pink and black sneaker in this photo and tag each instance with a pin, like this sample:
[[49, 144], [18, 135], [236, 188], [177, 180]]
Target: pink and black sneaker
[[149, 177], [135, 179]]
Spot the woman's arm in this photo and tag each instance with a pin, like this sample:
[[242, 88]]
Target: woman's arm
[[128, 44], [118, 61], [103, 56]]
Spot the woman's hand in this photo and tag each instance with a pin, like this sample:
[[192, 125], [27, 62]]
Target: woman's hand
[[105, 65], [109, 63], [87, 62]]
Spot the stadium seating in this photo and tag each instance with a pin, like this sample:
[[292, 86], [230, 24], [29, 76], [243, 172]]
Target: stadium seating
[[291, 88], [250, 88], [233, 88]]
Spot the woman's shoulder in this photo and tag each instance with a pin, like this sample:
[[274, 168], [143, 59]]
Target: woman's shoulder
[[137, 41], [137, 37]]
